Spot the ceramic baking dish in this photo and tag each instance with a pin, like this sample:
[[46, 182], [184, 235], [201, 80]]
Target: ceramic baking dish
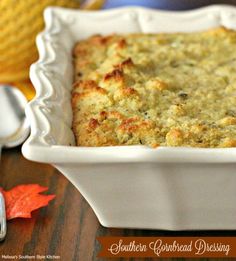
[[128, 186]]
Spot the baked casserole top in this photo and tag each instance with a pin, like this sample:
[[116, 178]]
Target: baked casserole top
[[156, 89]]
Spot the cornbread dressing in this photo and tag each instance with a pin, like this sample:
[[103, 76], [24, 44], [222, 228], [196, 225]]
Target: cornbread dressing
[[156, 89]]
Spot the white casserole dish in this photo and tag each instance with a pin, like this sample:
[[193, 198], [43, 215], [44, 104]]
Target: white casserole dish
[[128, 186]]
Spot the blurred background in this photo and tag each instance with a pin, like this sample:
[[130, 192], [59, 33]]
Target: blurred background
[[166, 4], [22, 20]]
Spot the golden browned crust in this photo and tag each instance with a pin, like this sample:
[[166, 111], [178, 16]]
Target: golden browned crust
[[156, 89]]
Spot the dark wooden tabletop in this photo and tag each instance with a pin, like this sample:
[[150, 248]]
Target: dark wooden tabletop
[[67, 228]]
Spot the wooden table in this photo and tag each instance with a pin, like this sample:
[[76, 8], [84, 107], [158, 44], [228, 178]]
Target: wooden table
[[68, 227]]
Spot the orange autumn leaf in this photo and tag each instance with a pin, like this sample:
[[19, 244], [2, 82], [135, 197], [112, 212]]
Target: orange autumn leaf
[[21, 200]]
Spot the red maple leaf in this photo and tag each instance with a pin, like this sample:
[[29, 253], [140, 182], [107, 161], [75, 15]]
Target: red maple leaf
[[21, 200]]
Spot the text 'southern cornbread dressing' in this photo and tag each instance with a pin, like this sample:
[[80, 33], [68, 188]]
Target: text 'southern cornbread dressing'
[[156, 89]]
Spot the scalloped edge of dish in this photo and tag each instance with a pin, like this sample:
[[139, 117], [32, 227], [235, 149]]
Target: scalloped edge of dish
[[47, 115]]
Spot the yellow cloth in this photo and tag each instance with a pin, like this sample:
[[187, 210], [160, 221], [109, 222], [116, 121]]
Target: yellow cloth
[[93, 4], [20, 22], [26, 87]]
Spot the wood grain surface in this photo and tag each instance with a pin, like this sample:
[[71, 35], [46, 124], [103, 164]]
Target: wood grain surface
[[67, 228]]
